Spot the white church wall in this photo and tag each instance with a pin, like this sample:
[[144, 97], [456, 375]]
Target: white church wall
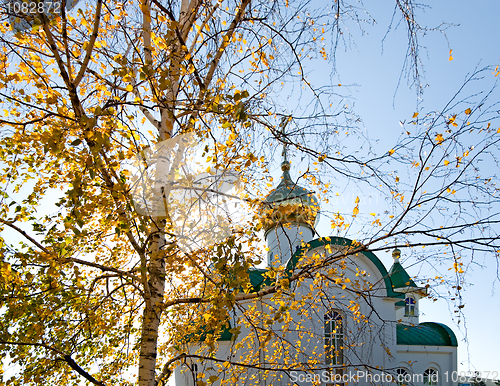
[[372, 342], [418, 359], [283, 241], [367, 343]]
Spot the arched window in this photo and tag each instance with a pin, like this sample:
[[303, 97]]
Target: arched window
[[410, 305], [402, 377], [430, 377], [334, 339]]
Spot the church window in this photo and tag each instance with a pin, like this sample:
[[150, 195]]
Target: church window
[[410, 305], [334, 338], [430, 377], [402, 377]]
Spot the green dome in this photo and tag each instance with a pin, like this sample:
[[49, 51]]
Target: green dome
[[426, 334], [289, 203]]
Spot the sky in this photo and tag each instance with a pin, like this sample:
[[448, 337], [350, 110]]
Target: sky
[[372, 71]]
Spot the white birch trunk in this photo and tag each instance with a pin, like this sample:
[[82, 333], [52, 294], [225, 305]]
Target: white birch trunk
[[156, 269], [152, 312]]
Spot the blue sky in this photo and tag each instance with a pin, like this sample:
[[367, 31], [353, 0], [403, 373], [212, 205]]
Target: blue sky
[[373, 73]]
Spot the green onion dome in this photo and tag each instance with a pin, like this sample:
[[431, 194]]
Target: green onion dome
[[289, 203]]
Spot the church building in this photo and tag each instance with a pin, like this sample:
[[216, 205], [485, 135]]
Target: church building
[[350, 321]]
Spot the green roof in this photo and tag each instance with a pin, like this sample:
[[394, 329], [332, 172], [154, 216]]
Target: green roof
[[292, 263], [257, 278], [395, 278], [426, 334], [399, 277], [201, 336]]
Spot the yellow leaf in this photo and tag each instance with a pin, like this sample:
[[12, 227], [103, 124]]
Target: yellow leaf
[[451, 57], [446, 162], [355, 211], [415, 115], [498, 130], [129, 88], [439, 138], [373, 214], [468, 111], [357, 200], [391, 152]]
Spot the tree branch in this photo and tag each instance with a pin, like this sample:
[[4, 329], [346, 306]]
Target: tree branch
[[90, 47], [67, 358]]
